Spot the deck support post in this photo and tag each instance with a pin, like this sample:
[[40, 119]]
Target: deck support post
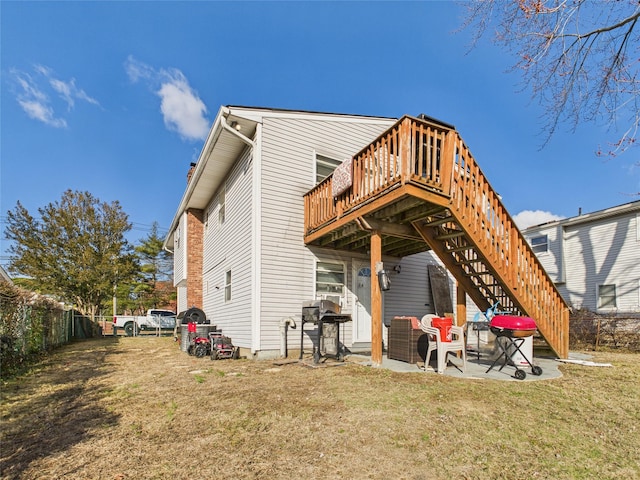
[[461, 305], [376, 300]]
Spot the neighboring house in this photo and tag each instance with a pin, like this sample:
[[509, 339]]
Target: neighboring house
[[594, 259], [237, 236]]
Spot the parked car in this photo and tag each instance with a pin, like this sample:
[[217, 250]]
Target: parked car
[[154, 319]]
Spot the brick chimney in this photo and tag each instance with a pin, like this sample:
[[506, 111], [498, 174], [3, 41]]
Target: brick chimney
[[195, 231], [192, 169]]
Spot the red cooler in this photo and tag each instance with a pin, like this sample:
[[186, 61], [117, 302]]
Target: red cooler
[[444, 325]]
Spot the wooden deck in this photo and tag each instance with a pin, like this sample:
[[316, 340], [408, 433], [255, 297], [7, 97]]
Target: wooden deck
[[416, 188]]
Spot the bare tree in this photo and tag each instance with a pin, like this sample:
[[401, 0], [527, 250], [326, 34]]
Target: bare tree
[[580, 58]]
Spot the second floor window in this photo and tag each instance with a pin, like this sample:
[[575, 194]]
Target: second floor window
[[227, 286], [222, 201], [325, 167], [539, 244]]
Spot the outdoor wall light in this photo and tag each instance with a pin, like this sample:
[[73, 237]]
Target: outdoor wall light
[[397, 269]]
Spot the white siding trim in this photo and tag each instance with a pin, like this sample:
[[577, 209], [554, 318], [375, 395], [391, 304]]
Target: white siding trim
[[562, 255], [256, 241], [183, 249]]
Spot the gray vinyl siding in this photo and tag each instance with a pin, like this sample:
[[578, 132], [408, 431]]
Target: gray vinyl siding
[[552, 259], [410, 293], [227, 246], [603, 252], [288, 167]]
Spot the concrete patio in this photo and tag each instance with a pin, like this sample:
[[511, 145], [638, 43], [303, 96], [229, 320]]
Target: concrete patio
[[476, 369]]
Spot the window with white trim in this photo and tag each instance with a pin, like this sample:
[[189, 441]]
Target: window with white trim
[[330, 278], [606, 296], [222, 200], [539, 244], [227, 286], [325, 166]]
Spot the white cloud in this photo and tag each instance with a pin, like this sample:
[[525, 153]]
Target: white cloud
[[69, 92], [43, 112], [35, 101], [182, 109], [137, 70], [529, 218]]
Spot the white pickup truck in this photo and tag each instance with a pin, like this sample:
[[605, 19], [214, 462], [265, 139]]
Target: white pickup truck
[[154, 319]]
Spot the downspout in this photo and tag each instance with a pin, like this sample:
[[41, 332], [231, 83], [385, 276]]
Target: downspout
[[255, 329], [284, 324], [256, 244]]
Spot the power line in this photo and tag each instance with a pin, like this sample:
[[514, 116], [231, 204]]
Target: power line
[[138, 226]]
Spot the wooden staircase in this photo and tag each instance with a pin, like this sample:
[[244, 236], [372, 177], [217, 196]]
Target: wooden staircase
[[419, 181]]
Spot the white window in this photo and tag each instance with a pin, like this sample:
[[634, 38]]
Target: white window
[[606, 296], [227, 286], [539, 244], [222, 199], [325, 167], [329, 279]]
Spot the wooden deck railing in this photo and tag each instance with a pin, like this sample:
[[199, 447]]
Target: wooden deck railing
[[410, 151], [435, 158], [480, 212]]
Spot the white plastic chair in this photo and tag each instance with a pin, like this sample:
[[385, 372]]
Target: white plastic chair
[[456, 344]]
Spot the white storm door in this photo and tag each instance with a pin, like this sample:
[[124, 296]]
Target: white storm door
[[362, 310]]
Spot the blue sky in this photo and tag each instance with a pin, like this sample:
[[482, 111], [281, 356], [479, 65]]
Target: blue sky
[[116, 98]]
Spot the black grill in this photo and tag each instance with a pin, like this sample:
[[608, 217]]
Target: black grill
[[327, 316]]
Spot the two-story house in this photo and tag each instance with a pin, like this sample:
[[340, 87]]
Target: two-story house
[[264, 225], [237, 236]]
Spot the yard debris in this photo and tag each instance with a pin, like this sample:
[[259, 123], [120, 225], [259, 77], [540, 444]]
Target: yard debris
[[586, 363]]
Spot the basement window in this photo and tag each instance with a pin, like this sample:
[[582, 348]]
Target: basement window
[[539, 244]]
